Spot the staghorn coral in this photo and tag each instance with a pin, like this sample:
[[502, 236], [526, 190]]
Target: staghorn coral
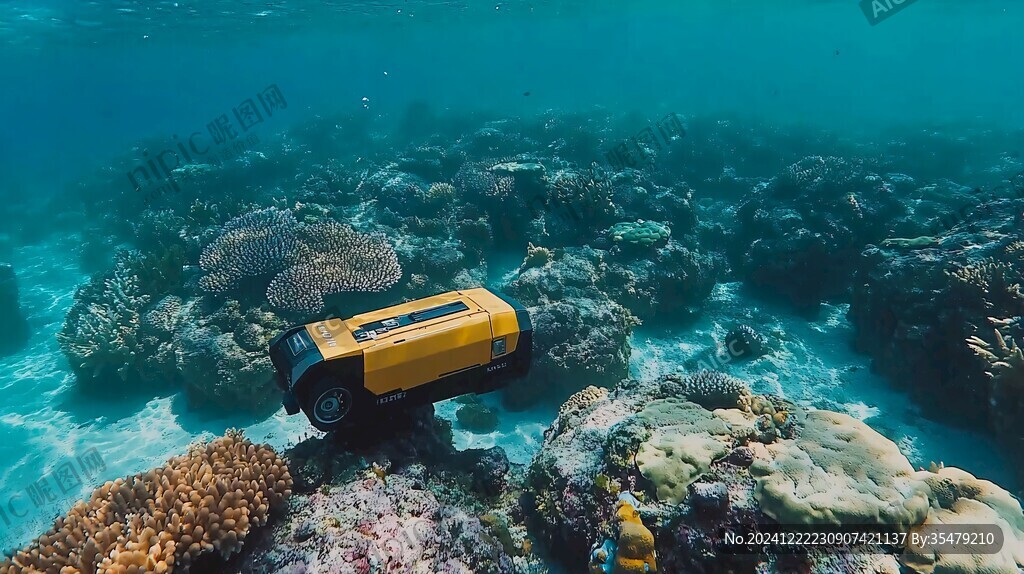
[[1005, 370], [579, 203], [204, 502], [344, 260], [441, 192], [995, 282], [101, 331], [254, 244]]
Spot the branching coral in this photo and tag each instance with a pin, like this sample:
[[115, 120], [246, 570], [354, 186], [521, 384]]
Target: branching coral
[[1006, 371], [204, 502], [101, 330], [997, 283], [583, 198]]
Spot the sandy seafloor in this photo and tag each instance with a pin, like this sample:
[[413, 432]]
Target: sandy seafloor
[[46, 422]]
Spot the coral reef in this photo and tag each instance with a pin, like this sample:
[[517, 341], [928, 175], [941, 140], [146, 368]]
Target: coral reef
[[303, 262], [799, 236], [207, 501], [15, 332], [100, 336], [576, 342], [640, 233], [397, 498], [929, 316], [696, 472], [221, 358]]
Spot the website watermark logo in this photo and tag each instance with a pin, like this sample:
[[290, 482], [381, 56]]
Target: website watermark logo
[[159, 173], [879, 11], [33, 508]]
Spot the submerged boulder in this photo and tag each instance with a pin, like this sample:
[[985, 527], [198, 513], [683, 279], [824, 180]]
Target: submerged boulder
[[15, 332]]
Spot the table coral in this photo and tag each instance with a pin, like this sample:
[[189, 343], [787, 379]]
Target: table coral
[[305, 261]]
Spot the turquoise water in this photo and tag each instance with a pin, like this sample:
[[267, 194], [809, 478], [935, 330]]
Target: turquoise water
[[86, 82]]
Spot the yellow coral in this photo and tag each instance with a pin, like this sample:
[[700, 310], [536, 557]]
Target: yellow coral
[[635, 552]]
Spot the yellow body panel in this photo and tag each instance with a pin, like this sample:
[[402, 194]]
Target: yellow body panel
[[423, 352], [427, 353], [333, 339], [503, 316]]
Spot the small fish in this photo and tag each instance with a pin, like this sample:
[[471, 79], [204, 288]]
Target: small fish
[[526, 93], [837, 52]]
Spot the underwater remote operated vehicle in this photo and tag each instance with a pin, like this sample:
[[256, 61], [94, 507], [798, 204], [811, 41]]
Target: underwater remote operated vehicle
[[343, 371]]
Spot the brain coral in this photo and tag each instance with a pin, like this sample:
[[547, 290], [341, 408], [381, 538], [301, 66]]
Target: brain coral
[[203, 502], [839, 471], [641, 233]]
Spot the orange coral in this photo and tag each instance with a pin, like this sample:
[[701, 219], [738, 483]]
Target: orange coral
[[635, 553], [204, 501]]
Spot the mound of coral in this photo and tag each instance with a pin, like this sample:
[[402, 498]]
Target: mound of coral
[[943, 319], [637, 478], [799, 235], [205, 502]]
